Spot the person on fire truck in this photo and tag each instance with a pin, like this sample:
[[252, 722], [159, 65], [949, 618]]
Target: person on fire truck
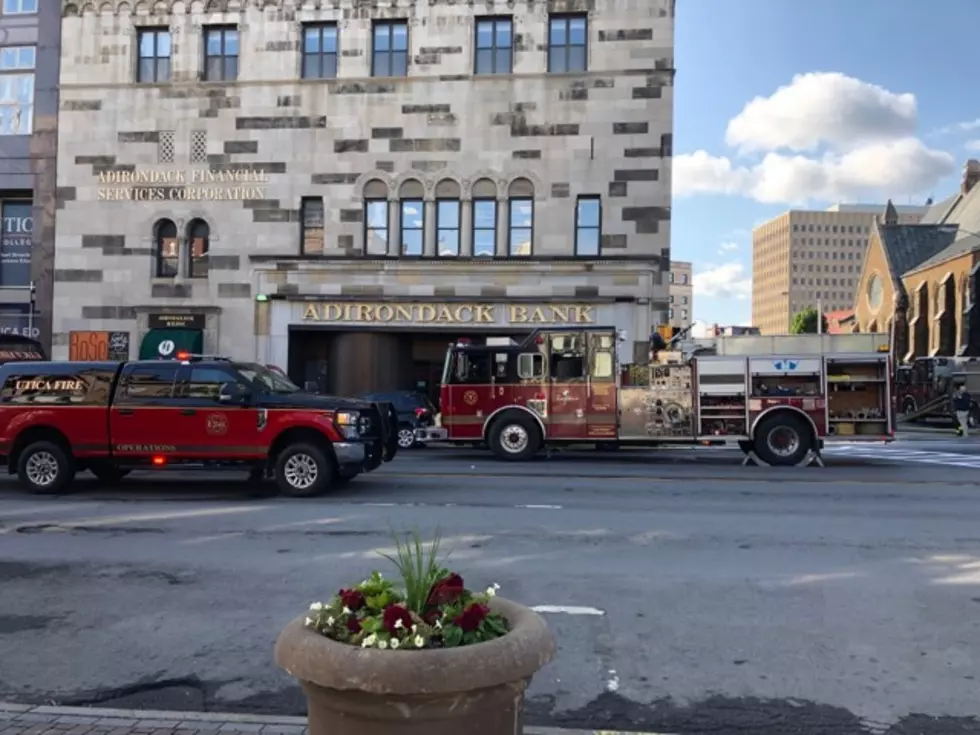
[[961, 405]]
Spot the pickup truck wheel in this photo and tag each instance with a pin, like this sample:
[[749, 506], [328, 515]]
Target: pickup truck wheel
[[45, 468], [107, 473], [304, 471]]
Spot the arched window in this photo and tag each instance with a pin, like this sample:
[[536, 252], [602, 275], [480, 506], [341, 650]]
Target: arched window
[[520, 218], [166, 245], [376, 218], [199, 243], [411, 218], [448, 215]]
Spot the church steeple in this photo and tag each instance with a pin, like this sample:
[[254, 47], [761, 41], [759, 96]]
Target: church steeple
[[891, 214]]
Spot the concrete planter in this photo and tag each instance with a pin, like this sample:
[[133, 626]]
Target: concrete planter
[[477, 689]]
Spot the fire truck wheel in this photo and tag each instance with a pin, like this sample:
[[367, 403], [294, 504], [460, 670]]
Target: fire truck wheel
[[303, 471], [783, 439], [514, 437], [45, 468]]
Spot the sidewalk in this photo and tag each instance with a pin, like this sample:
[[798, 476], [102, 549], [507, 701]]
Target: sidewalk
[[21, 719]]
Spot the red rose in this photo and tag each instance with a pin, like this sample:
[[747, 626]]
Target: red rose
[[353, 625], [446, 590], [469, 620], [390, 617], [352, 599]]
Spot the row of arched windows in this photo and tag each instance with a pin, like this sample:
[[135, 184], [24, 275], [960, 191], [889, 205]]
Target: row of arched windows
[[181, 254]]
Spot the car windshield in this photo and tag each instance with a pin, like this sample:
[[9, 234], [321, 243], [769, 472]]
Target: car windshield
[[262, 377]]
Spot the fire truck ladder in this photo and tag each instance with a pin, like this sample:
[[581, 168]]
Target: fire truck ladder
[[927, 409]]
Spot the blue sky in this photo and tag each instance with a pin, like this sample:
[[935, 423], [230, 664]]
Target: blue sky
[[885, 112]]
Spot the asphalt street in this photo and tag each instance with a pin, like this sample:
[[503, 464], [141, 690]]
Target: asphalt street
[[688, 594]]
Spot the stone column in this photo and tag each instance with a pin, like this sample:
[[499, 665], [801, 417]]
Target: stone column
[[466, 229], [429, 233], [503, 219], [394, 234]]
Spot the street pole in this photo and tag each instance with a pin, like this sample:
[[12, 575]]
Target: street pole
[[819, 316]]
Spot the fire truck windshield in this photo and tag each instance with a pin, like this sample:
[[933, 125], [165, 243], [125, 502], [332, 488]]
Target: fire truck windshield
[[262, 377]]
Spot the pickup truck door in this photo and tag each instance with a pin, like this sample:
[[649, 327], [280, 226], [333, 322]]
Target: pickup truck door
[[143, 417], [213, 429]]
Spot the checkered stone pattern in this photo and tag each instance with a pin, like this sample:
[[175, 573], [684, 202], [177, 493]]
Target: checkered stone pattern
[[605, 132]]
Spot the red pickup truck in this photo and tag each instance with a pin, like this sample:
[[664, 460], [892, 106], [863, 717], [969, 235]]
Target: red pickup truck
[[60, 418]]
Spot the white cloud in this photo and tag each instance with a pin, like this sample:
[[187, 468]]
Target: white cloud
[[728, 281], [961, 127], [819, 108], [824, 137], [973, 146], [892, 168], [727, 247]]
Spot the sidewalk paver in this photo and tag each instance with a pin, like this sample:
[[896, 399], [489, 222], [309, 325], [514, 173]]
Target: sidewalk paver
[[21, 719]]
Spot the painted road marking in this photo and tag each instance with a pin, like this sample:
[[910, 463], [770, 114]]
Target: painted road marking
[[900, 455], [539, 507], [568, 610]]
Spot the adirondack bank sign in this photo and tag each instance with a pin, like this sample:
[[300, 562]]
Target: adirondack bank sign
[[450, 313], [196, 184]]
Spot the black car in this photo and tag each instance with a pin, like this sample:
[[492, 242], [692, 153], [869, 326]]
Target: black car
[[415, 411]]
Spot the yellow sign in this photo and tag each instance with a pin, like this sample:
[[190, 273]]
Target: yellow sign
[[178, 185], [450, 313]]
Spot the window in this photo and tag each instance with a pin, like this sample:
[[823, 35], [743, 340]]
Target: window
[[588, 226], [220, 54], [520, 230], [205, 383], [390, 57], [530, 366], [670, 298], [16, 243], [684, 300], [671, 276], [485, 227], [494, 46], [311, 226], [447, 227], [671, 313], [412, 226], [167, 247], [567, 44], [376, 227], [12, 7], [684, 315], [199, 239], [154, 60], [148, 382], [683, 277], [319, 51], [17, 90]]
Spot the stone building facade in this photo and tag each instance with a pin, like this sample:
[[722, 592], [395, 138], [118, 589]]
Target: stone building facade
[[311, 183], [29, 63]]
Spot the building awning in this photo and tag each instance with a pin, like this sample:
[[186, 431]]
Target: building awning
[[164, 344]]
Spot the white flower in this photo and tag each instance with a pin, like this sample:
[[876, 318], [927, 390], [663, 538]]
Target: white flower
[[382, 645], [438, 625], [345, 611], [414, 627], [330, 620], [491, 591], [369, 641], [419, 641], [309, 621], [495, 586], [395, 643], [316, 606], [399, 623]]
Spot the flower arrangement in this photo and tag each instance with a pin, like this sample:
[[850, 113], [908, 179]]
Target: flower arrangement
[[430, 608]]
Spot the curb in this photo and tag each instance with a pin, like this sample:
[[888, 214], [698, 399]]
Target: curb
[[19, 718]]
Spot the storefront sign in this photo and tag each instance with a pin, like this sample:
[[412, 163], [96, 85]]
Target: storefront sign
[[176, 321], [199, 184], [383, 313], [97, 346], [16, 319], [16, 240]]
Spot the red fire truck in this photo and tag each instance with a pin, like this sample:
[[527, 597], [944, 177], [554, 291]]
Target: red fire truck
[[775, 396], [924, 387]]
